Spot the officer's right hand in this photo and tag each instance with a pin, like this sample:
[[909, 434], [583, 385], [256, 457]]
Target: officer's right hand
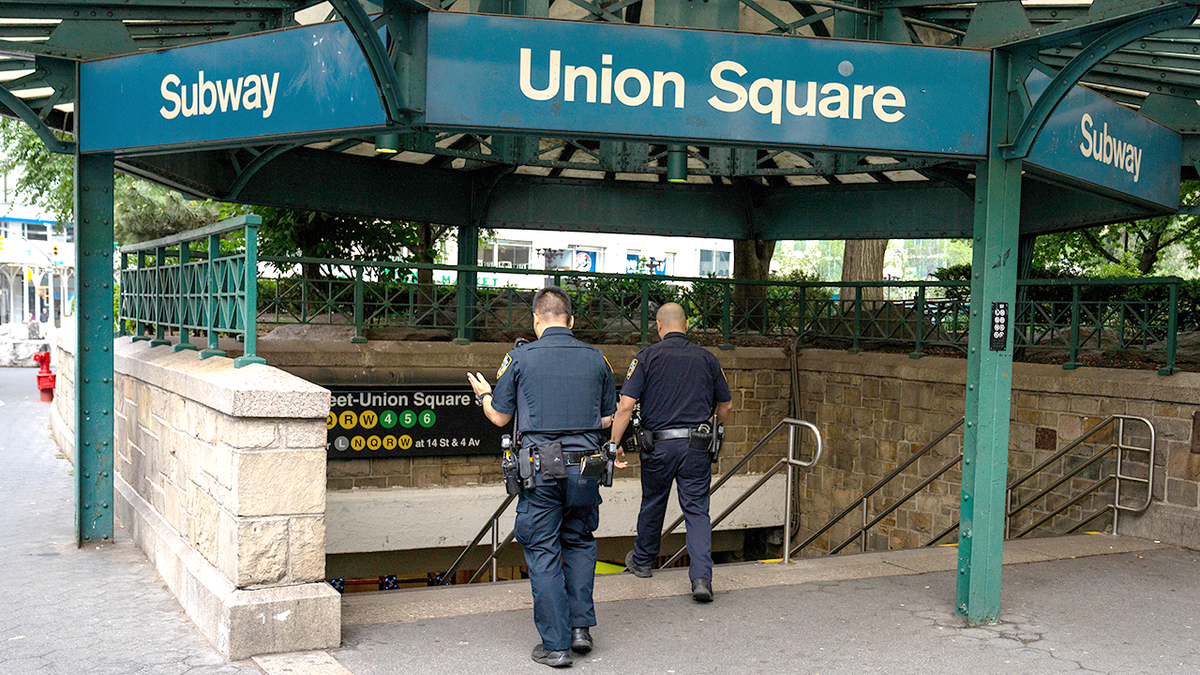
[[620, 462]]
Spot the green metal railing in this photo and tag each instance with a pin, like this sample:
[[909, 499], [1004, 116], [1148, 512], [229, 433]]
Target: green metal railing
[[1063, 317], [201, 282], [173, 284], [1118, 315]]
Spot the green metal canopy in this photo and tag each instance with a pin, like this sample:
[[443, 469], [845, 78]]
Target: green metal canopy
[[1143, 55], [488, 180]]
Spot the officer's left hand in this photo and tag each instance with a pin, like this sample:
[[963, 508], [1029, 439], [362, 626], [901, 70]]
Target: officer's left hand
[[620, 462], [479, 384]]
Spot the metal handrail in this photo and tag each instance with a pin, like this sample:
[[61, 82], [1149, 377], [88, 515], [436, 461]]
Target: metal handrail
[[493, 524], [863, 500], [1119, 476], [791, 462]]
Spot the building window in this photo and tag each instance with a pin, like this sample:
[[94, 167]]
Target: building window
[[514, 254], [35, 232], [714, 263]]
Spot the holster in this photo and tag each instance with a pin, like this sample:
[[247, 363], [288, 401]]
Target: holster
[[700, 438], [645, 440], [600, 465], [553, 466], [717, 438], [525, 467]]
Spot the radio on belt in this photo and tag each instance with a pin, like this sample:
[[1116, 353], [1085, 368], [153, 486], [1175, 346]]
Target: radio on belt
[[999, 337]]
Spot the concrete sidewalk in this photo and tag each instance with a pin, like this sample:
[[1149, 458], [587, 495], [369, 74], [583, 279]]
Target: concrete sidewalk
[[99, 610], [1095, 604]]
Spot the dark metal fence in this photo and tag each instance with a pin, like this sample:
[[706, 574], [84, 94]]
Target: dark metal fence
[[1059, 318]]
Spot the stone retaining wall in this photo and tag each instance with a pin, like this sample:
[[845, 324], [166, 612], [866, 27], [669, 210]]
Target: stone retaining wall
[[62, 413], [875, 410], [758, 379], [220, 480]]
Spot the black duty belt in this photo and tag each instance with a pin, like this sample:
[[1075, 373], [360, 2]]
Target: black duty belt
[[574, 456], [669, 434]]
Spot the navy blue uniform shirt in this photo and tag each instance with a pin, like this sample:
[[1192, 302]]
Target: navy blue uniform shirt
[[678, 382], [556, 384]]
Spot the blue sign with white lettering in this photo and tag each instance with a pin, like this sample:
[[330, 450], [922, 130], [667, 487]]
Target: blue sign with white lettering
[[295, 81], [1092, 139], [492, 72]]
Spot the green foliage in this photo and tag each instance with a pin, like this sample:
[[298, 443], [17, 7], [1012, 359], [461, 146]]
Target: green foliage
[[811, 293], [43, 178], [293, 233], [141, 211], [625, 293], [1124, 249]]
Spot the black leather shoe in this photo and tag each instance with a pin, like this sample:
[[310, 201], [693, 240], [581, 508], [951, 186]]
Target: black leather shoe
[[581, 640], [639, 571], [702, 590], [548, 658]]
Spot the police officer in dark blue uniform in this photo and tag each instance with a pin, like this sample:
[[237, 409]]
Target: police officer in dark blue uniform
[[681, 386], [562, 392]]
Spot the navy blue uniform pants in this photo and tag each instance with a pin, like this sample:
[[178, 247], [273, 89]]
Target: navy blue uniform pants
[[555, 521], [691, 471]]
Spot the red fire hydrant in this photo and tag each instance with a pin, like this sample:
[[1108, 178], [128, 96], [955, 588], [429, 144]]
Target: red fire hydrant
[[45, 378]]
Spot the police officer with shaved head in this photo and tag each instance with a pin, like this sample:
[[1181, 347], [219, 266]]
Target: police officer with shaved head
[[562, 392], [681, 388]]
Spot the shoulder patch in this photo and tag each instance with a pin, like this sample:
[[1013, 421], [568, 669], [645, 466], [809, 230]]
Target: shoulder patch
[[504, 365], [632, 367]]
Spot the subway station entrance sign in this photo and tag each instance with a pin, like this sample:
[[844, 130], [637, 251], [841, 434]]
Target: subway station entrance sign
[[408, 421], [671, 83], [280, 84], [520, 75]]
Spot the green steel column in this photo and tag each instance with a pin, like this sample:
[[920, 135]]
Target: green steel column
[[249, 308], [94, 357], [160, 298], [140, 291], [185, 257], [468, 256], [919, 311], [213, 285], [989, 373], [358, 338], [1172, 328]]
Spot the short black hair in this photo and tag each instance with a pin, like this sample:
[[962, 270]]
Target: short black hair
[[553, 303]]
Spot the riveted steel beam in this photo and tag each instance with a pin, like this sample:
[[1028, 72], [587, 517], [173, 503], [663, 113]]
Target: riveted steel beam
[[263, 158], [376, 54], [1120, 71], [1092, 23], [20, 109], [1088, 58], [989, 361], [94, 358]]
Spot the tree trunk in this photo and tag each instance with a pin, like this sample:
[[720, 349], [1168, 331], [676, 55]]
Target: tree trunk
[[862, 261], [423, 252], [311, 270], [1149, 255], [751, 261]]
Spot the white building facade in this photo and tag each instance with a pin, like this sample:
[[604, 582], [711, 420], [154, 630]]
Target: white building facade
[[596, 252]]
